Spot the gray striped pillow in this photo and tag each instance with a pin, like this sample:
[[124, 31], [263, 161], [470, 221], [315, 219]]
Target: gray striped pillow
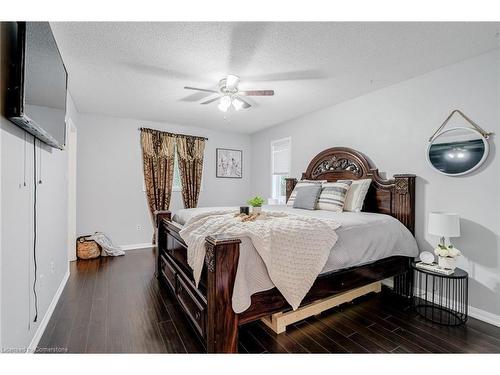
[[356, 195], [298, 185], [333, 194]]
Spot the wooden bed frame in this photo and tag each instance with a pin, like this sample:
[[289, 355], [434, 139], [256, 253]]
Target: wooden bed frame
[[208, 307]]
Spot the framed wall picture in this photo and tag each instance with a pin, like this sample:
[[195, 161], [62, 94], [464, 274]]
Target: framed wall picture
[[229, 163]]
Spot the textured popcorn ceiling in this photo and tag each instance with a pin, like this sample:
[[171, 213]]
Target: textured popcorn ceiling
[[138, 70]]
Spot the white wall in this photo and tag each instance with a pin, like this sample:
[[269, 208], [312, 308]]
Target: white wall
[[16, 273], [110, 195], [392, 126]]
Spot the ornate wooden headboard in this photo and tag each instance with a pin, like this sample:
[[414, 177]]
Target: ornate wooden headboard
[[395, 197]]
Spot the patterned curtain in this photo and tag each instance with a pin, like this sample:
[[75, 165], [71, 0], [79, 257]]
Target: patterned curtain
[[158, 162], [190, 157]]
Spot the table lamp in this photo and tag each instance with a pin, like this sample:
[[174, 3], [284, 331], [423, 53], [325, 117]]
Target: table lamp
[[444, 225]]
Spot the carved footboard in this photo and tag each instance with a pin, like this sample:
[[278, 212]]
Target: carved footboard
[[208, 307], [222, 322]]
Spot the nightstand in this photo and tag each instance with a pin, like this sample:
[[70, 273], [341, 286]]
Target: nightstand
[[440, 298]]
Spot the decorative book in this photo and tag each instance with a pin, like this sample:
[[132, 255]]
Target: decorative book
[[434, 268]]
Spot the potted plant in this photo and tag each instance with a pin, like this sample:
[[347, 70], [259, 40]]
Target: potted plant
[[256, 204], [447, 256]]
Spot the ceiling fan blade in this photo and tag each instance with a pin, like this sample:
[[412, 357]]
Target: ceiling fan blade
[[212, 100], [198, 89], [196, 96], [257, 93], [246, 105]]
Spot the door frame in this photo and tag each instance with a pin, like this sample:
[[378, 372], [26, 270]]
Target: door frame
[[71, 147]]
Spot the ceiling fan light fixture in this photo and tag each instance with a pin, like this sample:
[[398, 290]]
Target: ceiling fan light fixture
[[229, 94], [222, 108], [225, 100], [224, 103], [237, 104], [232, 82]]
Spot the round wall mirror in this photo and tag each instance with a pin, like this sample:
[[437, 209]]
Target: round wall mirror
[[457, 151]]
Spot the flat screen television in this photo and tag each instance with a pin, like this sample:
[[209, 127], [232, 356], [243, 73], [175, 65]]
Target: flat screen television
[[37, 83]]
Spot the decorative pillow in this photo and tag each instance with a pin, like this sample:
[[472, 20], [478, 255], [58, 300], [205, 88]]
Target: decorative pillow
[[356, 195], [307, 197], [298, 185], [333, 196]]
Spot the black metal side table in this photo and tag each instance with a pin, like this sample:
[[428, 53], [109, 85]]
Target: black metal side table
[[440, 298]]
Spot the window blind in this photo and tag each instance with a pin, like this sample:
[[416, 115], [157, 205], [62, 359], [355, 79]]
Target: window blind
[[281, 156]]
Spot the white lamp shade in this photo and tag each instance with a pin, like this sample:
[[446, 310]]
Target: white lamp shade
[[444, 224]]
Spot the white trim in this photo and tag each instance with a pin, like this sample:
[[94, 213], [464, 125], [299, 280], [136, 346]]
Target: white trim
[[485, 316], [137, 246], [48, 314], [388, 282], [71, 147], [273, 142]]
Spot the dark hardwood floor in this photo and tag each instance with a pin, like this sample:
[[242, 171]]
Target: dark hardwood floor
[[114, 305]]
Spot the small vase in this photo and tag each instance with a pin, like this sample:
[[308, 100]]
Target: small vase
[[256, 210], [448, 263]]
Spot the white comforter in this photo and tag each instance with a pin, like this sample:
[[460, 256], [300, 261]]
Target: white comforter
[[362, 238], [282, 240]]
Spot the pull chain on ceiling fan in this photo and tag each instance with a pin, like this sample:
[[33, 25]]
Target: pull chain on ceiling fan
[[229, 94]]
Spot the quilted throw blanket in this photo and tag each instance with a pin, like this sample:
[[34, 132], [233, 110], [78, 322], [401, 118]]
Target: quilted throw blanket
[[293, 248]]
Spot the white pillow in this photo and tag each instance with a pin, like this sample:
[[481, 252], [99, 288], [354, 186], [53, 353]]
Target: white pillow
[[298, 185], [356, 194]]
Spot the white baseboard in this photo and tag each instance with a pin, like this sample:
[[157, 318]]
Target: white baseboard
[[48, 314], [485, 316], [388, 282], [137, 246]]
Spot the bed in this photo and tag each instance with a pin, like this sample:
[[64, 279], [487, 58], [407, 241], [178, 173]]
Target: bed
[[373, 245]]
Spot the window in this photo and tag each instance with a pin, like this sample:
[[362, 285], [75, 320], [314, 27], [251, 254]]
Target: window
[[280, 168], [176, 182]]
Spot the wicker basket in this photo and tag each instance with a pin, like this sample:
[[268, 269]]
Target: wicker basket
[[86, 248]]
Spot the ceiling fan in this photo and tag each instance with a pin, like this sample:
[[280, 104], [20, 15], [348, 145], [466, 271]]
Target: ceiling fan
[[229, 94]]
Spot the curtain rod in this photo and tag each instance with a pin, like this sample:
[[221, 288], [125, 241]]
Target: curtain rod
[[174, 134]]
